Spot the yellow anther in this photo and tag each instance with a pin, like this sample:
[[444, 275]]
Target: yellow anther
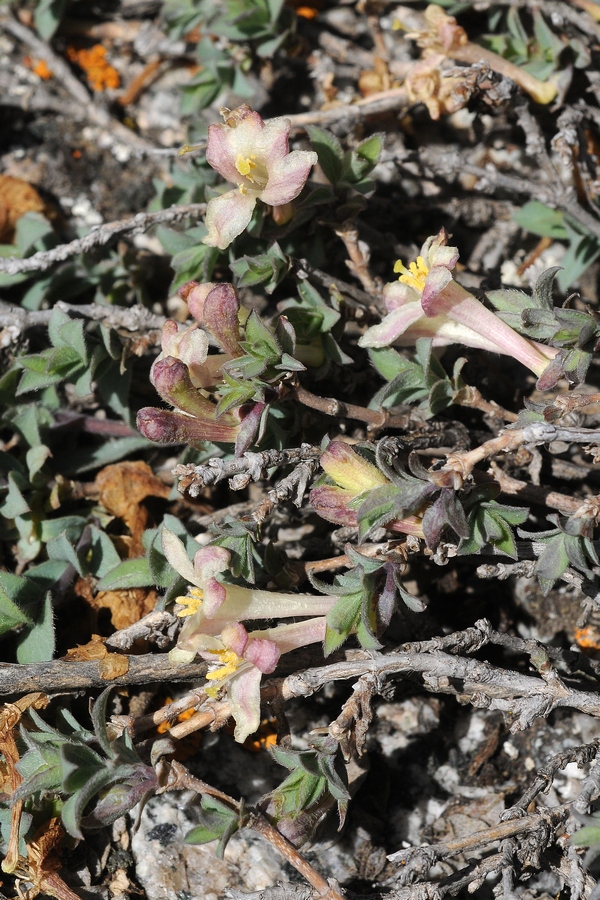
[[416, 274], [245, 164], [230, 664], [192, 602]]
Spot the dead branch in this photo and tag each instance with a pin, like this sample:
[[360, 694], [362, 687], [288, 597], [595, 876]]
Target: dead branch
[[523, 697], [157, 627], [381, 102], [58, 675], [463, 463], [181, 779], [242, 470], [98, 237], [14, 320], [84, 103]]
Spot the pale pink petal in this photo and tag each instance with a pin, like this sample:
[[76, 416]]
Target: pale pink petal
[[177, 555], [443, 331], [437, 280], [210, 561], [275, 142], [396, 293], [220, 154], [168, 335], [263, 654], [288, 176], [228, 144], [243, 692], [435, 252], [235, 637], [295, 635], [392, 326], [444, 256], [461, 306], [227, 216], [215, 595]]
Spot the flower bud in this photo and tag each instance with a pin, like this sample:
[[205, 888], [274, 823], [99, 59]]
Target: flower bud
[[166, 427]]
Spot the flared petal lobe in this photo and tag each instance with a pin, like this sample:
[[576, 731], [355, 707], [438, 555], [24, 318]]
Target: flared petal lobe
[[288, 177], [227, 216]]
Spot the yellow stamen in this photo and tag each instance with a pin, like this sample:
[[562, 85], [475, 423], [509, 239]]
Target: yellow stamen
[[193, 602], [230, 664], [416, 274], [245, 164]]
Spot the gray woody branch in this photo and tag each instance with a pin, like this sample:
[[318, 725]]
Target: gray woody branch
[[14, 320], [98, 236]]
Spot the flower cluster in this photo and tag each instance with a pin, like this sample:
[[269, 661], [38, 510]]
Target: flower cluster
[[184, 374], [255, 156], [427, 302], [214, 629], [223, 397]]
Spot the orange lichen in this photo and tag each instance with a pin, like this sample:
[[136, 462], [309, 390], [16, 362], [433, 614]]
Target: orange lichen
[[41, 70], [99, 72], [265, 737], [588, 638], [307, 12], [182, 717]]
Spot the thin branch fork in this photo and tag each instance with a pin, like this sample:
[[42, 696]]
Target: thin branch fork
[[181, 779], [537, 433]]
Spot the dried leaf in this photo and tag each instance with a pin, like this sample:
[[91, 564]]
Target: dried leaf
[[122, 488], [94, 649], [10, 778], [114, 665], [17, 197], [42, 863], [126, 606]]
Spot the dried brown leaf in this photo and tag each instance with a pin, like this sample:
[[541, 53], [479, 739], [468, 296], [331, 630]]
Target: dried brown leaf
[[122, 488], [114, 665]]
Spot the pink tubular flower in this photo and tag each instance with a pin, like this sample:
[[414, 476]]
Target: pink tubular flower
[[255, 156], [353, 475], [427, 302], [214, 612]]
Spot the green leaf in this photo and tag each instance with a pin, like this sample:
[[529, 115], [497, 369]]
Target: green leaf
[[11, 616], [64, 331], [102, 555], [14, 503], [38, 645], [131, 573], [79, 764], [61, 548], [70, 526], [541, 220], [588, 836], [36, 457], [47, 16], [217, 821], [329, 150]]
